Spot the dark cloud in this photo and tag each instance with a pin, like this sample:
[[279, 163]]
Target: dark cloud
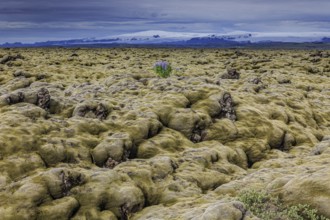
[[85, 17]]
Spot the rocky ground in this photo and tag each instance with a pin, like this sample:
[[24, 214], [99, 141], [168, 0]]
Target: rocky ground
[[96, 134]]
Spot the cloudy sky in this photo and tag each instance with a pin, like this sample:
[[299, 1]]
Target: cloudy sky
[[40, 20]]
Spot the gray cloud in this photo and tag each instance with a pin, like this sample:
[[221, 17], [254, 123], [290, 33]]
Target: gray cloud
[[105, 17]]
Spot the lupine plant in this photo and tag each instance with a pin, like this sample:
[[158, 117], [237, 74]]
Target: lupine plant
[[163, 69]]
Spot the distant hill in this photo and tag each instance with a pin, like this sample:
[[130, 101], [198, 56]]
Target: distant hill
[[326, 40]]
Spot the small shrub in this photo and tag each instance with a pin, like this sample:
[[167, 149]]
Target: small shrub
[[266, 207], [163, 69], [302, 212]]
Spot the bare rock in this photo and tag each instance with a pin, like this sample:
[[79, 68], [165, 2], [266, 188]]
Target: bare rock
[[15, 98], [227, 107], [256, 80], [60, 181], [231, 74], [92, 110], [43, 98]]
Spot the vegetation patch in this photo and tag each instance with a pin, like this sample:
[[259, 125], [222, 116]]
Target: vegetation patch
[[266, 207]]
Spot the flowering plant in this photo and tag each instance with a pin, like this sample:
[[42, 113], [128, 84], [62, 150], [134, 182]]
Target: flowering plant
[[163, 69]]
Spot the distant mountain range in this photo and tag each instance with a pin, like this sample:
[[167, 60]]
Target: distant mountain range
[[185, 39]]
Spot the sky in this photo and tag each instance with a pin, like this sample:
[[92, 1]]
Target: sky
[[42, 20]]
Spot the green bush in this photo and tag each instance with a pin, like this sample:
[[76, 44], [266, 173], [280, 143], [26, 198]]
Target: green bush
[[163, 69], [266, 207]]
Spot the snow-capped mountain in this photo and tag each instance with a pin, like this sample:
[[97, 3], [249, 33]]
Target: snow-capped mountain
[[293, 37], [156, 36], [186, 39]]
